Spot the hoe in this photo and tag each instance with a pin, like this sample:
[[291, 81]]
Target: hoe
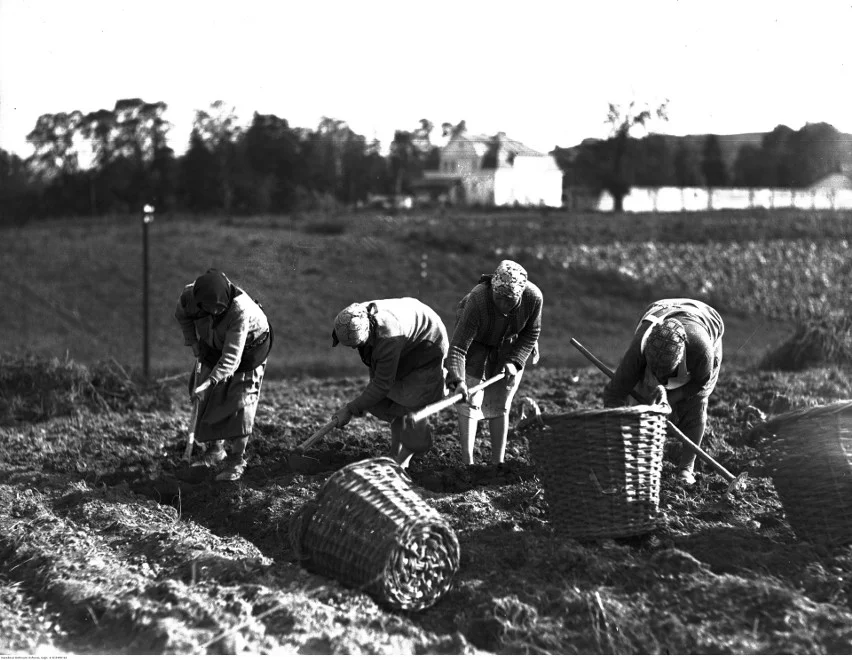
[[298, 462]]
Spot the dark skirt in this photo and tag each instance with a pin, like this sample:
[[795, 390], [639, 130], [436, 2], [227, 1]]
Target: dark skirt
[[418, 389], [228, 409]]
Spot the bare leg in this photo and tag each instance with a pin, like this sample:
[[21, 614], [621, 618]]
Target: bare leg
[[499, 428], [467, 435]]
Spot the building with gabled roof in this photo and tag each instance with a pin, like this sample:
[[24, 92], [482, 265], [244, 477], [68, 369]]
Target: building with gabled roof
[[476, 169]]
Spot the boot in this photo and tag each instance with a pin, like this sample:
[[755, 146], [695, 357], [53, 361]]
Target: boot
[[686, 467], [214, 455], [236, 464], [233, 472]]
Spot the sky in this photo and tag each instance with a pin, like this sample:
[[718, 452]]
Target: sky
[[543, 72]]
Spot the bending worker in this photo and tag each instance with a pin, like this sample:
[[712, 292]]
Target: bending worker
[[498, 324], [403, 343], [231, 336], [677, 345]]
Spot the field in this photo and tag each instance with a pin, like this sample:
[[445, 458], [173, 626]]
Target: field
[[110, 544]]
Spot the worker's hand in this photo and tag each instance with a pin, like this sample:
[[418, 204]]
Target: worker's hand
[[196, 349], [199, 391], [342, 416], [461, 388], [511, 372], [659, 397]]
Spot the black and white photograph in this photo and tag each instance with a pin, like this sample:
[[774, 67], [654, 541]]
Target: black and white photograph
[[378, 327]]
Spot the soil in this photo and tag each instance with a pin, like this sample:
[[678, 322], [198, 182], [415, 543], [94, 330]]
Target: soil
[[110, 543]]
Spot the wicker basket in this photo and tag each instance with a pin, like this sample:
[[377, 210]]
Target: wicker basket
[[601, 469], [368, 529], [810, 460]]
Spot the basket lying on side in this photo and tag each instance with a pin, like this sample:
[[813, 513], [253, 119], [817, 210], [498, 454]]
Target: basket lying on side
[[809, 454], [601, 469], [368, 529]]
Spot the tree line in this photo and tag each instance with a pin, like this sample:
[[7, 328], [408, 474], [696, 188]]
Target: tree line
[[782, 158], [114, 161], [118, 160]]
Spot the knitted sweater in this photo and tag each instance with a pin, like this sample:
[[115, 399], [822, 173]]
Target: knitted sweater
[[242, 323], [704, 329], [484, 339], [406, 335]]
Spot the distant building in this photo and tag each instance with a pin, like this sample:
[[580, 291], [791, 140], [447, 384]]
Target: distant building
[[832, 182], [491, 171]]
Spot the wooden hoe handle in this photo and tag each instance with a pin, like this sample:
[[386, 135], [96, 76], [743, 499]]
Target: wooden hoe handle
[[432, 408], [328, 426]]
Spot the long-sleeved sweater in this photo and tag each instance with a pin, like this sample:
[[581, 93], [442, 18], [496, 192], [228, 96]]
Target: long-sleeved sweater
[[484, 338], [406, 335], [242, 323], [704, 329]]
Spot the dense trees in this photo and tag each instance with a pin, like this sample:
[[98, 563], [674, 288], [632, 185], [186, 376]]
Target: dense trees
[[118, 159], [782, 158], [712, 164]]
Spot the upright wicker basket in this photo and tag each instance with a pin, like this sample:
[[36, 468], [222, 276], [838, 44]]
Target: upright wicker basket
[[810, 460], [368, 529], [601, 469]]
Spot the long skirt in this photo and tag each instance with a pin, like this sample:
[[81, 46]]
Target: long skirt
[[228, 409]]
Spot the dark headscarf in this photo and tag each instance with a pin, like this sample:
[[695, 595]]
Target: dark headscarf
[[212, 288]]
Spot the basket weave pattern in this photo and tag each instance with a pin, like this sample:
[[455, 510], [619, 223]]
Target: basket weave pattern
[[810, 460], [368, 529], [601, 469]]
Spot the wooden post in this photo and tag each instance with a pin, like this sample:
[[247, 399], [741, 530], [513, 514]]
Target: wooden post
[[147, 219]]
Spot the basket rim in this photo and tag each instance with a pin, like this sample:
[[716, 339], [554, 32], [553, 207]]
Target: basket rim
[[603, 412], [804, 414]]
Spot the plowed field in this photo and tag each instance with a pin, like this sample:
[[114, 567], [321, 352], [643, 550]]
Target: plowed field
[[109, 543]]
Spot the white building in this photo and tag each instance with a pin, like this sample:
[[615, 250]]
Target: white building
[[493, 171]]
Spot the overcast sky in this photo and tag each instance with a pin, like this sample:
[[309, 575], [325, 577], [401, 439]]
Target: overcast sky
[[541, 71]]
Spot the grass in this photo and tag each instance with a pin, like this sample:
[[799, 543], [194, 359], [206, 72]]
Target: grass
[[76, 285]]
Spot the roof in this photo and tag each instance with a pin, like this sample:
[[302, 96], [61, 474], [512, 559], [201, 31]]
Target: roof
[[518, 148], [836, 181]]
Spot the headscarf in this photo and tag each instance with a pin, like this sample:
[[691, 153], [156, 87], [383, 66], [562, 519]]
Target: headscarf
[[212, 288], [509, 280], [666, 347], [351, 326]]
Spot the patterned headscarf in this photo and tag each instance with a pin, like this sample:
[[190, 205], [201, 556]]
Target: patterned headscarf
[[212, 288], [509, 279], [666, 347], [351, 326]]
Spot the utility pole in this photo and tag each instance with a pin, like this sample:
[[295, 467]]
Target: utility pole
[[147, 219]]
